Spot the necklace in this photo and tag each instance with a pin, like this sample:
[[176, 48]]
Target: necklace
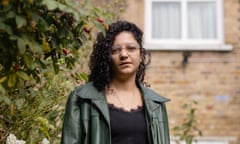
[[114, 93]]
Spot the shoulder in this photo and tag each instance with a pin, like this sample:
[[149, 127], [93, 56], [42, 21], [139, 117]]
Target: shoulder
[[84, 88], [87, 91], [83, 93], [152, 95]]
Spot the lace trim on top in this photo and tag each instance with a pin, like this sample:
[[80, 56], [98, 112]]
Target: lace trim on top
[[114, 107]]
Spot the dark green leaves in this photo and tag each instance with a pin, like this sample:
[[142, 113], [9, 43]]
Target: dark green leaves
[[6, 28], [21, 45], [44, 49], [20, 21]]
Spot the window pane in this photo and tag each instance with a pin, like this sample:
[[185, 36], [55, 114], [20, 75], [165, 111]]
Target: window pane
[[166, 20], [202, 20]]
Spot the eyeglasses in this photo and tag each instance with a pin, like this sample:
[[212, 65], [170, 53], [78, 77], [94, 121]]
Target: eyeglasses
[[130, 48]]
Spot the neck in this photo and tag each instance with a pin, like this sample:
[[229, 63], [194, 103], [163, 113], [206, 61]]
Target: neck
[[123, 84]]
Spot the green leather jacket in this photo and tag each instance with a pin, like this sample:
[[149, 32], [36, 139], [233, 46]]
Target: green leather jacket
[[87, 121]]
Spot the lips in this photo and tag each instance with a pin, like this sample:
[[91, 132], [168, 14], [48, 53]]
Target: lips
[[124, 63]]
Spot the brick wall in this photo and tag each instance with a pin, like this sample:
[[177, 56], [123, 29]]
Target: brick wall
[[211, 78]]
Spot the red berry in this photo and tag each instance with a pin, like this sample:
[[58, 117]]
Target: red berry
[[40, 12], [100, 20], [70, 20], [87, 30], [65, 51], [16, 67], [63, 14]]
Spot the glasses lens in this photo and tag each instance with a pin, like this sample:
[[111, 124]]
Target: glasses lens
[[130, 48]]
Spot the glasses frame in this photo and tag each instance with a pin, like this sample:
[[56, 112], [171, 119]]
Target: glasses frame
[[129, 47]]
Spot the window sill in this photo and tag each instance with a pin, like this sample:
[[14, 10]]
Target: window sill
[[208, 140], [188, 47]]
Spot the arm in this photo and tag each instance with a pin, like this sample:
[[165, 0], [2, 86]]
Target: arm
[[71, 132]]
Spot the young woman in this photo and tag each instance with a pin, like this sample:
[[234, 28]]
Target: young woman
[[115, 107]]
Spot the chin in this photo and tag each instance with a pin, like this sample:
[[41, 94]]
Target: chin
[[127, 72]]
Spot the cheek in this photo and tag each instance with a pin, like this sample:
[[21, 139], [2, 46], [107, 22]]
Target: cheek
[[113, 60], [140, 57]]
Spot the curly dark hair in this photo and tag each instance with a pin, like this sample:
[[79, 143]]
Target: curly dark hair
[[100, 61]]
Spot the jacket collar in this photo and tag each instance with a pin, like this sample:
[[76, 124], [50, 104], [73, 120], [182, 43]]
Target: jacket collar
[[88, 91], [150, 95], [152, 101]]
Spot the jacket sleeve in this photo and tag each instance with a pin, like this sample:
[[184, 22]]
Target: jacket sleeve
[[166, 129], [71, 132]]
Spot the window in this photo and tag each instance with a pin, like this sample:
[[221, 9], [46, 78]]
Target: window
[[184, 24]]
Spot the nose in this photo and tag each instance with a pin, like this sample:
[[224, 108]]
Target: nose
[[123, 53]]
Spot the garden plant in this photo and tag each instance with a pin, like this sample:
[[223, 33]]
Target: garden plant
[[189, 129], [43, 56]]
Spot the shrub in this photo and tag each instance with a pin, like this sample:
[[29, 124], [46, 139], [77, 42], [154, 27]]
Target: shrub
[[44, 49]]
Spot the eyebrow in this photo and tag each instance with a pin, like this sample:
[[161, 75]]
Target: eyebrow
[[126, 43]]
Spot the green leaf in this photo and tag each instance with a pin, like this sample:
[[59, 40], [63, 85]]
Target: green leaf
[[2, 90], [35, 47], [192, 111], [83, 76], [200, 133], [21, 45], [13, 37], [10, 14], [88, 3], [41, 64], [42, 24], [52, 28], [2, 19], [56, 67], [185, 106], [28, 60], [5, 28], [176, 128], [20, 21], [64, 8], [19, 103], [99, 26], [5, 99], [195, 102], [51, 4], [23, 75], [2, 79], [12, 80]]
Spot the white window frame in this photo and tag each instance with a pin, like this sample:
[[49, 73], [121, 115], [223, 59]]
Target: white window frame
[[207, 140], [184, 43]]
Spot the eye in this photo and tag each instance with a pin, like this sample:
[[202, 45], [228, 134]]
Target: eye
[[115, 49], [131, 48]]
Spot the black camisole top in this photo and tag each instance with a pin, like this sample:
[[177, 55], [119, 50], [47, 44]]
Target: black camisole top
[[128, 127]]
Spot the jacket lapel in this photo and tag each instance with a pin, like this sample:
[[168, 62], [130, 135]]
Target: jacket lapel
[[102, 106], [97, 98], [151, 99], [152, 103]]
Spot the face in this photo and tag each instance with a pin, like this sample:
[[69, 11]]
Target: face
[[125, 55]]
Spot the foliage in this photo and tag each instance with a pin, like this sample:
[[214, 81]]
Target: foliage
[[189, 127], [41, 42], [34, 31]]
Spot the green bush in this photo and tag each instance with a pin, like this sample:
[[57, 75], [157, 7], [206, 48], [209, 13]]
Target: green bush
[[189, 128], [44, 49]]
